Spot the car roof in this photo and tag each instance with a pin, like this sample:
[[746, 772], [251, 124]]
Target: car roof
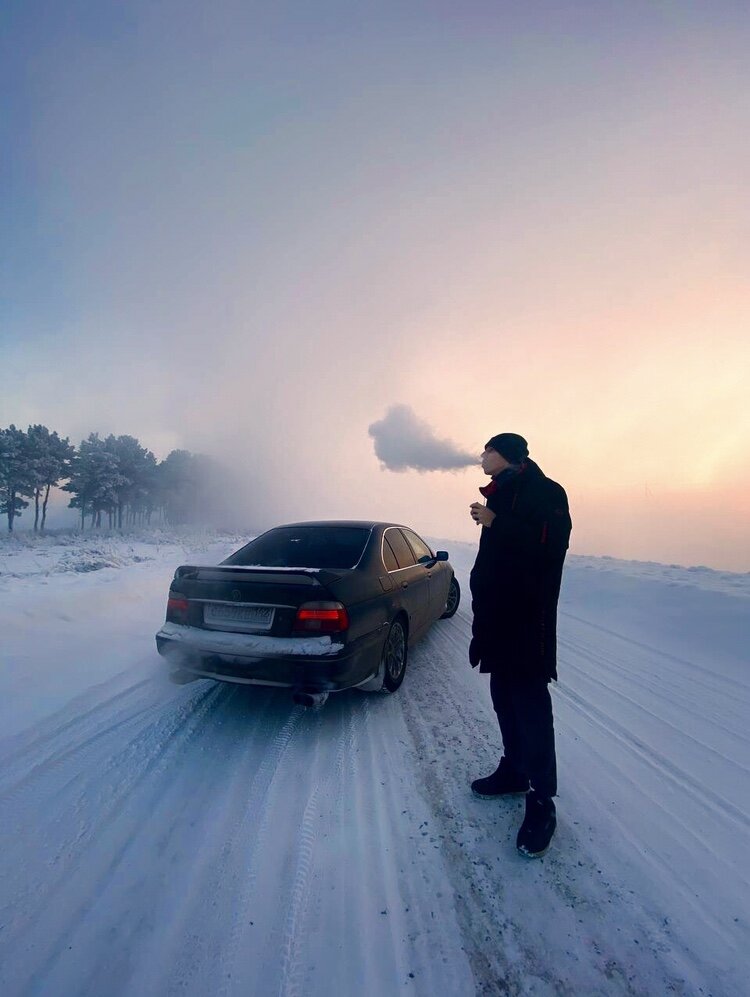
[[368, 524]]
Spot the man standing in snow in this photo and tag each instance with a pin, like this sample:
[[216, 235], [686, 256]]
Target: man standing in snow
[[515, 584]]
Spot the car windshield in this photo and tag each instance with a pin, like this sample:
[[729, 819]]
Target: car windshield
[[304, 547]]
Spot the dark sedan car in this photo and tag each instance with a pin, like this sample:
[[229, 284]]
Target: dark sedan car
[[315, 607]]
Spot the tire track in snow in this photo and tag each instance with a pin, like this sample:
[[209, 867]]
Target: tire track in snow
[[256, 803], [564, 871], [382, 815], [642, 678], [374, 877], [420, 906], [663, 768], [189, 944], [359, 896], [290, 985], [476, 907], [53, 780], [677, 875], [359, 900], [39, 904], [72, 734], [513, 963], [190, 798], [709, 678], [86, 754], [647, 753], [211, 794], [679, 816], [306, 890], [312, 771], [333, 915]]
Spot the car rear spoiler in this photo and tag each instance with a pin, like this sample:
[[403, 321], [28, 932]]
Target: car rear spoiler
[[217, 572]]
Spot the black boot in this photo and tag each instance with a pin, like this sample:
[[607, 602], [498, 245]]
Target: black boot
[[538, 826], [503, 782]]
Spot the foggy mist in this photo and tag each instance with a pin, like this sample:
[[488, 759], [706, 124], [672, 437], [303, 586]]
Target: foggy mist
[[247, 237], [404, 442]]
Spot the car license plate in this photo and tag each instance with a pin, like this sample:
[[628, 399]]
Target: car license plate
[[257, 617]]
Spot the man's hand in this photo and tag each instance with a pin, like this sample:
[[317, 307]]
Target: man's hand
[[481, 515]]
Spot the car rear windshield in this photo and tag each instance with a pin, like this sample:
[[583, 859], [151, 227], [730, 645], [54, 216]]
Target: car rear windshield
[[304, 547]]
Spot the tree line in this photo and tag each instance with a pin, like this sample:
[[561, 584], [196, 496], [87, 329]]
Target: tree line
[[113, 480]]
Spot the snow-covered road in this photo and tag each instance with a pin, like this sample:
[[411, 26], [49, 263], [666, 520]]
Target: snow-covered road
[[212, 839]]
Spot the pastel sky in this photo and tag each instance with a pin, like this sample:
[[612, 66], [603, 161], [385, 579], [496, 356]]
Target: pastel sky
[[250, 229]]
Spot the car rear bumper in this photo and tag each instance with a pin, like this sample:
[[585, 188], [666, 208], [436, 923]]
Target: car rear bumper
[[317, 663]]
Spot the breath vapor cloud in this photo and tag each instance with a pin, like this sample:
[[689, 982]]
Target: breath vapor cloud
[[404, 442]]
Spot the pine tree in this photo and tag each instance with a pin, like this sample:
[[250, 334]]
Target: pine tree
[[95, 480], [134, 464], [16, 475], [49, 458], [174, 485], [187, 486]]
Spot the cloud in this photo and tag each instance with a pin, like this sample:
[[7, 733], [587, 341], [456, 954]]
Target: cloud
[[404, 442]]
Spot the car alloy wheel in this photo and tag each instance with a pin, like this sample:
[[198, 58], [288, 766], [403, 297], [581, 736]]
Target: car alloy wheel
[[454, 597], [394, 657]]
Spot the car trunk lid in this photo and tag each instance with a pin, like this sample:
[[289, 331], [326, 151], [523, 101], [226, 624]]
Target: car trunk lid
[[254, 599]]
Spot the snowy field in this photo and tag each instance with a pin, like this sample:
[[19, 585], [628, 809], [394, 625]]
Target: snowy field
[[218, 840]]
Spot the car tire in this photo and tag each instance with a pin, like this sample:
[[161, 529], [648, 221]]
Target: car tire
[[395, 653], [454, 598]]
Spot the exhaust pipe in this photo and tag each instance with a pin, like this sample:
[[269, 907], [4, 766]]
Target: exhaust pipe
[[306, 697]]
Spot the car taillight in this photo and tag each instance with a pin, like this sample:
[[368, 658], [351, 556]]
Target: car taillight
[[321, 618], [177, 608]]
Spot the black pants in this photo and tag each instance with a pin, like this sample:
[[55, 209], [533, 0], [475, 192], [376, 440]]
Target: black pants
[[525, 715]]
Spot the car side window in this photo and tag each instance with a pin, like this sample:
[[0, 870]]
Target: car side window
[[389, 558], [421, 550], [401, 548]]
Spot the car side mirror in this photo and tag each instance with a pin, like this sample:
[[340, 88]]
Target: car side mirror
[[441, 555]]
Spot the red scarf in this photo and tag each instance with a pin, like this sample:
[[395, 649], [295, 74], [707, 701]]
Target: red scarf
[[491, 488]]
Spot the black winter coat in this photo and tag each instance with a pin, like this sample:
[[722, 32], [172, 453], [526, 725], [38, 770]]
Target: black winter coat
[[515, 581]]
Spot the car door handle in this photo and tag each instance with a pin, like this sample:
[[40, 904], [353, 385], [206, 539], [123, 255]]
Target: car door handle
[[404, 585]]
